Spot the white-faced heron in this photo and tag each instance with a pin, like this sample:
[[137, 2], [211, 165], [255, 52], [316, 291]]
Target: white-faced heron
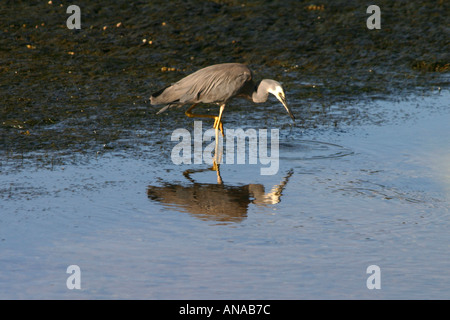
[[218, 84]]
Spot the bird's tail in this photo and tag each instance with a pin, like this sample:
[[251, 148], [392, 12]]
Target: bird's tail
[[154, 97], [164, 108], [169, 96]]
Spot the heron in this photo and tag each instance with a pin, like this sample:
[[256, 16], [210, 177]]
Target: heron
[[218, 84]]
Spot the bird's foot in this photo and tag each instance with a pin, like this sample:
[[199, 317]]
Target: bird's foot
[[215, 166]]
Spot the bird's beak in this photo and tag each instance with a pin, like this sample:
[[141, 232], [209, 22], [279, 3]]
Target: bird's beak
[[282, 99]]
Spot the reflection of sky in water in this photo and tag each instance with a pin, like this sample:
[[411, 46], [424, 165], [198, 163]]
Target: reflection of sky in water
[[386, 203], [439, 161], [444, 171]]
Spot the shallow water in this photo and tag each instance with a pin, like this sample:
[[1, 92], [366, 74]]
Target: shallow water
[[140, 228]]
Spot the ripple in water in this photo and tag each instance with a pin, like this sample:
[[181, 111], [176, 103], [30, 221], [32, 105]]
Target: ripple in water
[[312, 150]]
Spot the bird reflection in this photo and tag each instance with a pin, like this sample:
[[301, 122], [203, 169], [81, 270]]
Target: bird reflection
[[218, 202]]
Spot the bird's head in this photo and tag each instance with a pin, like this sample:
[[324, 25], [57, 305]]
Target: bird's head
[[275, 88]]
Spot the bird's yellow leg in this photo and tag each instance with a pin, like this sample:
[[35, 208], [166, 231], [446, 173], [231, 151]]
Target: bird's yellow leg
[[218, 150], [217, 119], [194, 115], [218, 125], [216, 167]]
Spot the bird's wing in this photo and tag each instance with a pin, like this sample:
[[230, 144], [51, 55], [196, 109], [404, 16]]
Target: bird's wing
[[217, 83]]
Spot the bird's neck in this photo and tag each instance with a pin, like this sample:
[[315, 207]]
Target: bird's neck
[[260, 93]]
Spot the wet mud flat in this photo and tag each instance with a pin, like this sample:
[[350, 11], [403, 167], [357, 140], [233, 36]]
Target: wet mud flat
[[87, 176], [86, 91]]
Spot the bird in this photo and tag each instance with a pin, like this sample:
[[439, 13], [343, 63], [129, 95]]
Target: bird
[[219, 202], [218, 84]]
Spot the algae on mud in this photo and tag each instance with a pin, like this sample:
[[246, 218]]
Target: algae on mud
[[86, 91]]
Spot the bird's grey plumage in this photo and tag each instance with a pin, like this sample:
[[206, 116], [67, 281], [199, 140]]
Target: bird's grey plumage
[[213, 84], [218, 84]]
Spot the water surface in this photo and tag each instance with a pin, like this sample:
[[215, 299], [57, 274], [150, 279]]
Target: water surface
[[349, 199]]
